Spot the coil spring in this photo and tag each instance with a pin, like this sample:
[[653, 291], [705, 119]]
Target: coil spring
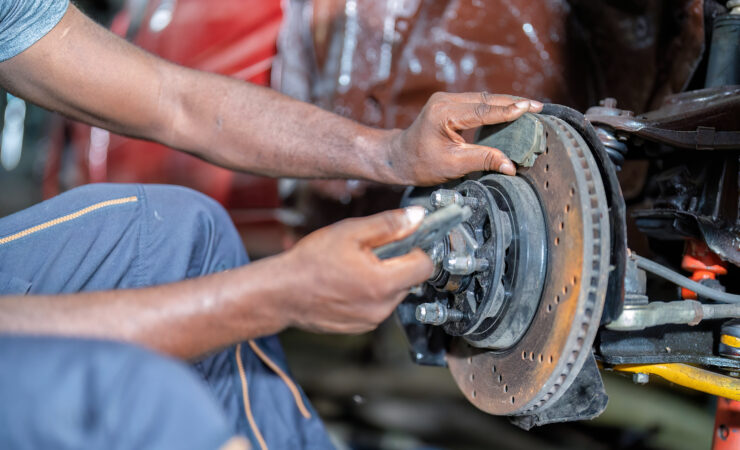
[[615, 148]]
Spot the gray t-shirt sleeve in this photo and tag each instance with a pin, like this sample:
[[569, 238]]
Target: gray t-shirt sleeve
[[23, 22]]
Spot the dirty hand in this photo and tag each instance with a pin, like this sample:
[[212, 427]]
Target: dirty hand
[[340, 285], [432, 151]]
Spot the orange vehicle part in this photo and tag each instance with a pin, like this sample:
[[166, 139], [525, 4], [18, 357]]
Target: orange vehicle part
[[704, 264], [726, 425]]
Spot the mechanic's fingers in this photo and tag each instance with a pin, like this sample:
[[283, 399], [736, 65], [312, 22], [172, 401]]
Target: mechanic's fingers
[[474, 158], [464, 116], [491, 99], [408, 270], [388, 226]]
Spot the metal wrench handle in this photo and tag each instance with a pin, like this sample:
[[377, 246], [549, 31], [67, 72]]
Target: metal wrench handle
[[433, 228]]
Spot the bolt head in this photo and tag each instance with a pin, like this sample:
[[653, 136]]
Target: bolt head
[[421, 312], [431, 313]]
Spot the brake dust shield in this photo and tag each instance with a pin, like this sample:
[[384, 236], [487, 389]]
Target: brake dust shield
[[533, 373]]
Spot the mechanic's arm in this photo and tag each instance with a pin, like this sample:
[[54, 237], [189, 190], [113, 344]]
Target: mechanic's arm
[[331, 282], [86, 72]]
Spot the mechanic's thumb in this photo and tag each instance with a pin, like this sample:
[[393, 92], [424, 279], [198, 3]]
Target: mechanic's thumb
[[388, 226], [481, 158]]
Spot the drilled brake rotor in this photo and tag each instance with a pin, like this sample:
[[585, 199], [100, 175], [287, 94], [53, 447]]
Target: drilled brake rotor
[[533, 372]]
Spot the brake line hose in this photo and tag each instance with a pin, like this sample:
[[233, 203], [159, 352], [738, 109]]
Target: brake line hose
[[675, 277]]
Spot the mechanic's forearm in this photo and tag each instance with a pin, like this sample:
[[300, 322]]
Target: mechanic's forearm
[[85, 72], [185, 319], [248, 127]]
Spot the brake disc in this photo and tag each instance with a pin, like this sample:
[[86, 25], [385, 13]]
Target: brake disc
[[521, 325], [532, 373]]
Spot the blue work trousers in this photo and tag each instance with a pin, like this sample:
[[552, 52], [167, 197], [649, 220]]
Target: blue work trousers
[[84, 393]]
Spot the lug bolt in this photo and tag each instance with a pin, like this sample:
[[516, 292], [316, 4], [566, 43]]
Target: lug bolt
[[445, 197], [464, 264], [437, 314]]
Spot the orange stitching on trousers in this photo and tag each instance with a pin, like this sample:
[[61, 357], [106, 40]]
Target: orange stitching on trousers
[[67, 218], [291, 385], [245, 395]]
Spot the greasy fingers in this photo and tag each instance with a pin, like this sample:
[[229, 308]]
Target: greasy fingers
[[408, 270], [432, 150], [484, 97], [336, 284], [464, 116], [478, 157], [387, 226]]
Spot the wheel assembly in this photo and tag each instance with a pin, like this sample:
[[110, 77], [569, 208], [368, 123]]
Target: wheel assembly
[[518, 293]]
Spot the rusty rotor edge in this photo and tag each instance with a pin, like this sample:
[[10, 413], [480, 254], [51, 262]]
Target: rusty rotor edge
[[583, 333]]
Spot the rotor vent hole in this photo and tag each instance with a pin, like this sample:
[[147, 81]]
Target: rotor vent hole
[[557, 299], [572, 191], [472, 377], [513, 400], [493, 369], [541, 358], [524, 355], [565, 290], [473, 394], [574, 281], [547, 185], [557, 241], [549, 308], [500, 378], [531, 356], [470, 360], [506, 388], [561, 226], [547, 168], [567, 208], [550, 359]]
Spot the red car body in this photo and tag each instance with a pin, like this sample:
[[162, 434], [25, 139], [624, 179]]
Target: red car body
[[224, 40]]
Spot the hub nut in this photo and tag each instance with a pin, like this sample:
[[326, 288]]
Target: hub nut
[[437, 314], [464, 264], [445, 197]]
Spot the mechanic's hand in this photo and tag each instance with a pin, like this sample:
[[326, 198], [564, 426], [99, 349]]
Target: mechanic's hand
[[431, 150], [342, 287]]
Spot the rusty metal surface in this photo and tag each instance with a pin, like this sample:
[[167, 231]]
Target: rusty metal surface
[[615, 200], [535, 371], [379, 61]]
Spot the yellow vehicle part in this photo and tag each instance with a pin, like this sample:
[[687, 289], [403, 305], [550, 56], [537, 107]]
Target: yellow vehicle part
[[732, 341], [690, 377]]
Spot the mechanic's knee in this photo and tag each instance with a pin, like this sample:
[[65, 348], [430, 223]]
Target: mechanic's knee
[[193, 228], [81, 393]]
